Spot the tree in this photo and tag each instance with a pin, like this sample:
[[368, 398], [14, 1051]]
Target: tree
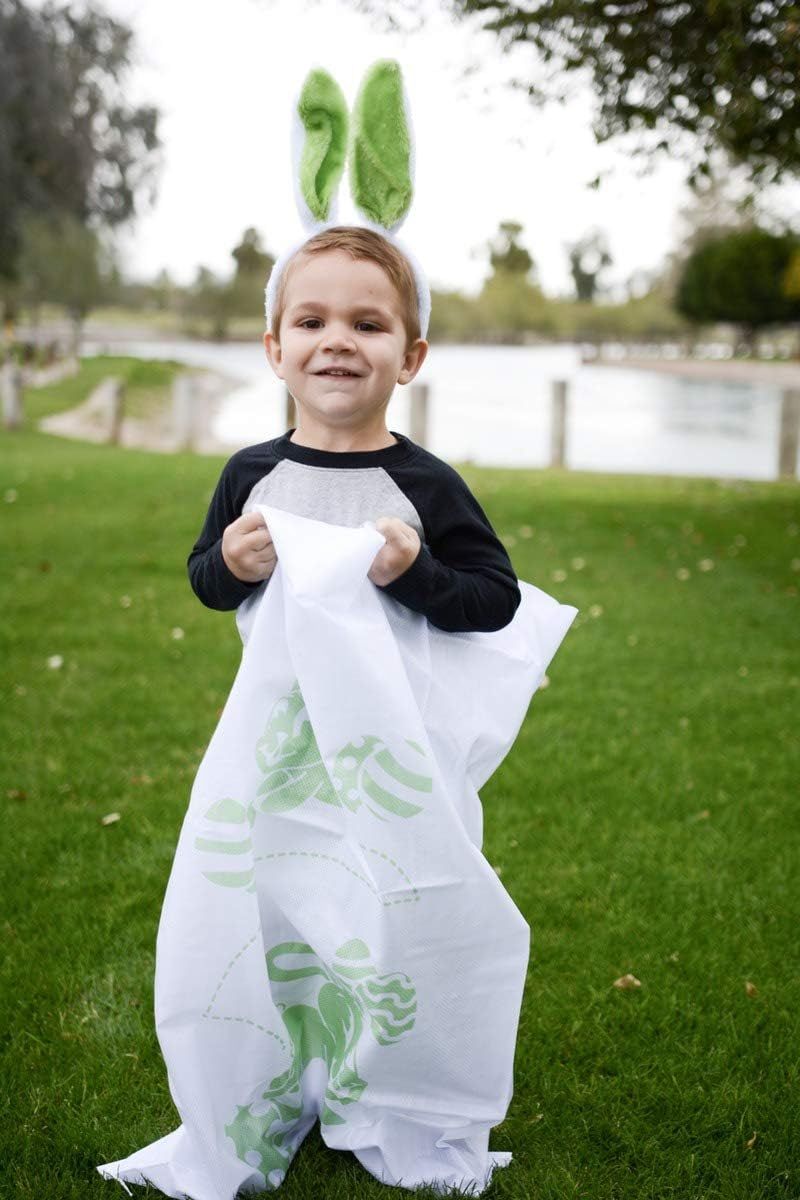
[[790, 284], [250, 256], [588, 257], [70, 143], [724, 72], [510, 303], [505, 252], [720, 204], [210, 297], [253, 266], [742, 278], [63, 262]]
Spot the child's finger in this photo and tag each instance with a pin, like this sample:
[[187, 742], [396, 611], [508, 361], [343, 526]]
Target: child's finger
[[250, 521], [259, 539]]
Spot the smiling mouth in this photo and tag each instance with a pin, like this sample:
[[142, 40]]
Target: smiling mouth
[[338, 374]]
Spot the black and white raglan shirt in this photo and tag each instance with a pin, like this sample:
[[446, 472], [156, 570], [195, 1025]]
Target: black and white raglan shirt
[[462, 578]]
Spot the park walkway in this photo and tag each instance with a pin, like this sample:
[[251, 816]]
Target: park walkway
[[774, 374]]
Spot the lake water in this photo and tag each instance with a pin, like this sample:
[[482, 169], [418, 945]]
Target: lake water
[[491, 405]]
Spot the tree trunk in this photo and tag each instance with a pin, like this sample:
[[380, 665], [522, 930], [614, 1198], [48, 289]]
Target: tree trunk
[[749, 336], [76, 322], [9, 321]]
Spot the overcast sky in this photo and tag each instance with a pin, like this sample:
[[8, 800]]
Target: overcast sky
[[224, 73]]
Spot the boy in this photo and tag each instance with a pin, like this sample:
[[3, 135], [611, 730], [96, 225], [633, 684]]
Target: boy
[[345, 331]]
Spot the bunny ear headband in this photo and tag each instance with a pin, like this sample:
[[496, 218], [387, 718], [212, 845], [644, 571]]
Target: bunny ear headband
[[380, 150]]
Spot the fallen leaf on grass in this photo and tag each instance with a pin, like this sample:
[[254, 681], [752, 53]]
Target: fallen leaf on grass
[[16, 794], [750, 988], [109, 818], [627, 981], [141, 778], [751, 1142]]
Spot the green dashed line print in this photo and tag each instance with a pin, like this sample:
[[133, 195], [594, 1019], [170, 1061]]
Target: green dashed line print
[[326, 1010], [364, 772]]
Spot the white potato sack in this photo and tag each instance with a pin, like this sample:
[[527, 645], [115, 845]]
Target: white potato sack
[[333, 945]]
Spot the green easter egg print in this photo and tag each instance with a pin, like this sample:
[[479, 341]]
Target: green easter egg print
[[364, 771]]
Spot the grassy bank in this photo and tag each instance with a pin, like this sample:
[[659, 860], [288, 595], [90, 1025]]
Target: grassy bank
[[148, 384], [645, 822]]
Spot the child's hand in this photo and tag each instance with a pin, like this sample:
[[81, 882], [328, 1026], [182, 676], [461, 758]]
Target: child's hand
[[247, 548], [402, 547]]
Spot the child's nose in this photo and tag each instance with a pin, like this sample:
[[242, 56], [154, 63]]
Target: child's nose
[[338, 337]]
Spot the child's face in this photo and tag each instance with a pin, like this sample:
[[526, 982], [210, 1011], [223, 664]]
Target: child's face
[[341, 312]]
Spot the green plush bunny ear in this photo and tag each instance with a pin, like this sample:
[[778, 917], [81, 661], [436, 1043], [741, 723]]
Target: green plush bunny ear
[[381, 147], [321, 130]]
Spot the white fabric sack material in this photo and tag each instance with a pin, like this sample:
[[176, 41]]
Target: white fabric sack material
[[333, 944]]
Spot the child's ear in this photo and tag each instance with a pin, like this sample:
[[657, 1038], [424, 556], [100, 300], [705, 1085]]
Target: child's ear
[[414, 358], [319, 146], [381, 147], [274, 354]]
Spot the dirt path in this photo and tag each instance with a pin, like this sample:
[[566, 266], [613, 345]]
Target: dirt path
[[90, 421]]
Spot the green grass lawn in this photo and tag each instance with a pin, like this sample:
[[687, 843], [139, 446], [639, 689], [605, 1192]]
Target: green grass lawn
[[645, 822]]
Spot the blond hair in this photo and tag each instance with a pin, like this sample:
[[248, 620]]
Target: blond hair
[[364, 244]]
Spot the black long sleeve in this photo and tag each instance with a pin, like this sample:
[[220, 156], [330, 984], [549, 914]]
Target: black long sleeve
[[212, 580], [462, 579]]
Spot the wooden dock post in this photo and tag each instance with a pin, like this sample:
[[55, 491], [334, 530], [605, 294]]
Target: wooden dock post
[[11, 385], [418, 414], [115, 398], [789, 437], [558, 424], [183, 411]]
